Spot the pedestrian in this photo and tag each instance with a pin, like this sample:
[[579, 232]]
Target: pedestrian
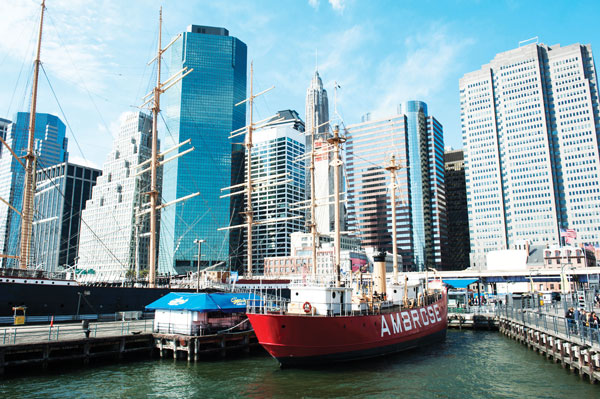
[[570, 320]]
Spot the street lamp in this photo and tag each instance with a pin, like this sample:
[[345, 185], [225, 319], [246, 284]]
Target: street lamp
[[199, 242]]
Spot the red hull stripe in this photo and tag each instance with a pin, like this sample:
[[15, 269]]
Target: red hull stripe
[[347, 337]]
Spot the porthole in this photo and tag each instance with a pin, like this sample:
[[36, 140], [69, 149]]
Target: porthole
[[283, 326]]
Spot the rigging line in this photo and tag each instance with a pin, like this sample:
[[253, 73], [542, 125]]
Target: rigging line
[[77, 70], [82, 221], [63, 113], [30, 50]]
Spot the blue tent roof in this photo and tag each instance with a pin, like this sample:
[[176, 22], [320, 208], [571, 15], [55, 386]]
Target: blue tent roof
[[460, 282], [202, 302]]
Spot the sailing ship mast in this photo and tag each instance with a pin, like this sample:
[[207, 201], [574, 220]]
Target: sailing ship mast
[[392, 168], [336, 141], [29, 186], [160, 88]]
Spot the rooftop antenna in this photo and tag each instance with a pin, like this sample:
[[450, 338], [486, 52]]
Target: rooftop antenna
[[534, 39], [316, 59]]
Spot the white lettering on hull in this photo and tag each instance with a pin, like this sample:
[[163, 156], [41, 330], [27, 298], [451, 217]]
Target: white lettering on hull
[[408, 320]]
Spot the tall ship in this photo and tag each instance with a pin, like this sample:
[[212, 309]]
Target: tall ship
[[65, 293], [330, 319]]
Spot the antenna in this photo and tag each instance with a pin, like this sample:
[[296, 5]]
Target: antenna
[[316, 59], [534, 39]]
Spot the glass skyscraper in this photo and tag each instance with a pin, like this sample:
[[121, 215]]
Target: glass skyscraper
[[278, 150], [50, 145], [202, 108], [114, 233], [416, 140], [531, 128], [61, 193]]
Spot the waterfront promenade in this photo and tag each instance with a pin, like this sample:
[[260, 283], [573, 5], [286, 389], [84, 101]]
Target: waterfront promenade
[[572, 344]]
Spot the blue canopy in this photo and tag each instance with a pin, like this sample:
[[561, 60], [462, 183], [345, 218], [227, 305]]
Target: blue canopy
[[203, 302], [460, 282]]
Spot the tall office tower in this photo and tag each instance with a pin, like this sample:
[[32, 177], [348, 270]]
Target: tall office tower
[[458, 218], [416, 141], [317, 109], [61, 193], [317, 114], [277, 153], [4, 124], [531, 128], [115, 225], [202, 108], [51, 148]]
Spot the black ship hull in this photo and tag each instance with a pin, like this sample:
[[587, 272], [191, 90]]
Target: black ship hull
[[49, 300]]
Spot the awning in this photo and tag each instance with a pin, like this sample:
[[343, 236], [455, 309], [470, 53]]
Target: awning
[[460, 282], [203, 302]]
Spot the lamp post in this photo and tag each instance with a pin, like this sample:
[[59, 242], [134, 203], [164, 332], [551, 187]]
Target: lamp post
[[199, 242]]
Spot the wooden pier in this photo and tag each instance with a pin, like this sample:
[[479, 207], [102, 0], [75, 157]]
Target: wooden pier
[[43, 346], [552, 337], [193, 347]]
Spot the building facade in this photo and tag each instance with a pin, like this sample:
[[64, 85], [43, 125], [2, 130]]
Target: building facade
[[202, 108], [531, 129], [114, 231], [4, 124], [458, 218], [416, 141], [61, 193], [50, 145], [278, 153]]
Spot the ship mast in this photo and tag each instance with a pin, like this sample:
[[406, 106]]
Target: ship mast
[[153, 193], [249, 212], [29, 187], [336, 141], [313, 204], [392, 168], [154, 98]]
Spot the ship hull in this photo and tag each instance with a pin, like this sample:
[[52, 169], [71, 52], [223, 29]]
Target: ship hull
[[300, 340]]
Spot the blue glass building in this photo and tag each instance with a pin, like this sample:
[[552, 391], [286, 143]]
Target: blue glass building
[[51, 148], [202, 108]]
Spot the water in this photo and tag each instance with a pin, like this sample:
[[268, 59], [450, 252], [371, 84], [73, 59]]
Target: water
[[468, 364]]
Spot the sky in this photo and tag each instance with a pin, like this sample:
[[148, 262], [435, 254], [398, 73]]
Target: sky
[[381, 53]]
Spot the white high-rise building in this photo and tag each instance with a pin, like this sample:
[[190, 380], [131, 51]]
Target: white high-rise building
[[277, 155], [112, 242], [531, 130]]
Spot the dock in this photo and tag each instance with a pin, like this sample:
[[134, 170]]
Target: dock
[[573, 345], [473, 317], [42, 346]]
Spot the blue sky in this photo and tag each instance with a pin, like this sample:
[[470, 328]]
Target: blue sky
[[380, 52]]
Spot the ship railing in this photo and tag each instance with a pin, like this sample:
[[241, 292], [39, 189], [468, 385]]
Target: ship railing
[[71, 331]]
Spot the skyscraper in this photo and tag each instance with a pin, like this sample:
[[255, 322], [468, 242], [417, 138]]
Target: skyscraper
[[202, 108], [531, 128], [416, 140], [50, 146], [4, 124], [458, 218], [61, 193], [317, 114], [278, 150], [114, 232], [317, 108]]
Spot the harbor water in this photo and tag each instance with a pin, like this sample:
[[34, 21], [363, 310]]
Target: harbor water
[[468, 364]]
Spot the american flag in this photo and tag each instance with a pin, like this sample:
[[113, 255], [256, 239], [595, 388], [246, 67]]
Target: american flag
[[568, 233]]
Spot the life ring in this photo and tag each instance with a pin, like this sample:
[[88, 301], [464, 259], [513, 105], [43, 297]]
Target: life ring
[[307, 307]]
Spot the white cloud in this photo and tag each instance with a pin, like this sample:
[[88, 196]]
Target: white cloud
[[338, 5], [421, 72], [314, 3]]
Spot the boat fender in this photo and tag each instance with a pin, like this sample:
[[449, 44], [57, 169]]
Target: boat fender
[[307, 307]]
